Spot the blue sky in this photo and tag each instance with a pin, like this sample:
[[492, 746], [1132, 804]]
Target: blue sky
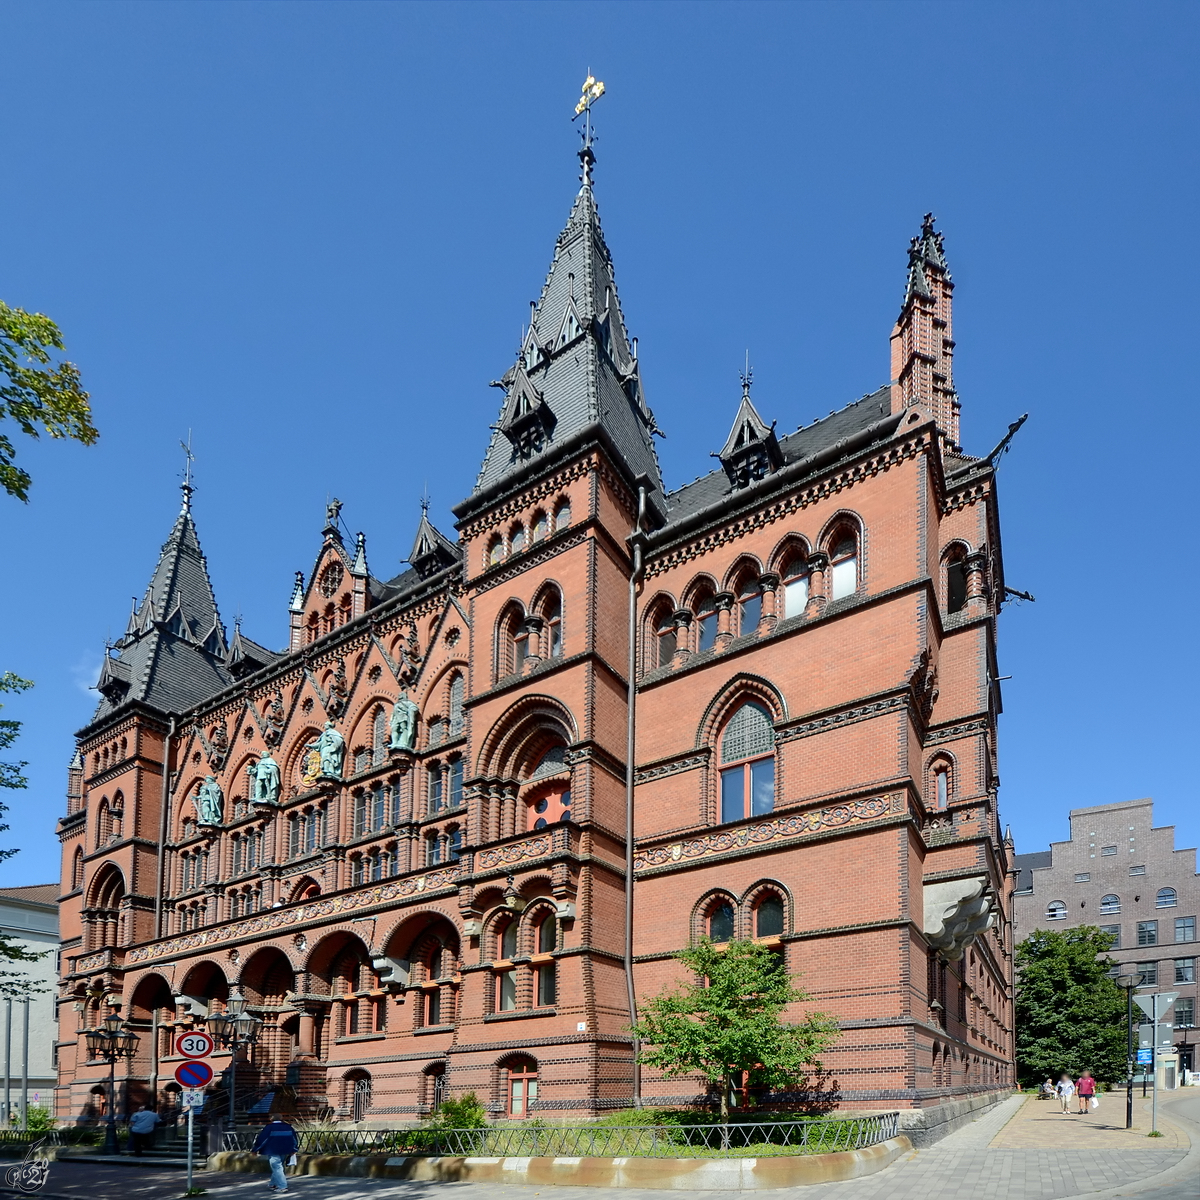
[[309, 233]]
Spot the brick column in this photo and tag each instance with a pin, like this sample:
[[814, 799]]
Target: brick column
[[724, 602], [976, 565], [683, 635], [533, 627], [818, 566], [770, 601]]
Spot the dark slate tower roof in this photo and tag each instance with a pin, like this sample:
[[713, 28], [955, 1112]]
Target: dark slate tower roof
[[173, 653], [577, 369]]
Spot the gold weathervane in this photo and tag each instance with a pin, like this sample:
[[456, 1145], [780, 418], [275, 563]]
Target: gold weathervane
[[593, 89]]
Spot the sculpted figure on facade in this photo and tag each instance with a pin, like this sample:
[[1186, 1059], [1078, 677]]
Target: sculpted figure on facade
[[265, 776], [332, 748], [404, 724], [210, 803]]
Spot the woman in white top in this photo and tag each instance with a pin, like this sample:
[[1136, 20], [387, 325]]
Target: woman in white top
[[1064, 1090]]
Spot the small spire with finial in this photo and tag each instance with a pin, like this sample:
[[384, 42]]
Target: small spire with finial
[[188, 459], [593, 89], [747, 377], [425, 501]]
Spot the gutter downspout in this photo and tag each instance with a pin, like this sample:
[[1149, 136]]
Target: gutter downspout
[[162, 831], [636, 538]]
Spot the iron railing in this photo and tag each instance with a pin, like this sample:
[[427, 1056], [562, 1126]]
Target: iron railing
[[745, 1139]]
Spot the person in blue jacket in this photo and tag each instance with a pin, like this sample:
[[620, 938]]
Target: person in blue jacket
[[277, 1142]]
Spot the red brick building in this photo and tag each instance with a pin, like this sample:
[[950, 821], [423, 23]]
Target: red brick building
[[431, 893]]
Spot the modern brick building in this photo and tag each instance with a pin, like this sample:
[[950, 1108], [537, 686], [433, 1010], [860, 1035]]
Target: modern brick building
[[1118, 872], [403, 837]]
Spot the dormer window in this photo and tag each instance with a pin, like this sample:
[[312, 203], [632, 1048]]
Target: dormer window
[[571, 327], [533, 353]]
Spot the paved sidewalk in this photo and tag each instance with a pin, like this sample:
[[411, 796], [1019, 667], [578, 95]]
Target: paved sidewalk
[[979, 1162], [1041, 1125]]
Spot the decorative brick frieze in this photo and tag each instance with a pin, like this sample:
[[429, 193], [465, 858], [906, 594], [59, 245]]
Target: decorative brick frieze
[[673, 766], [748, 836]]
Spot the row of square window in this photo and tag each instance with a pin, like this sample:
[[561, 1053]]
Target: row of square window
[[1147, 932], [1184, 972], [1085, 876]]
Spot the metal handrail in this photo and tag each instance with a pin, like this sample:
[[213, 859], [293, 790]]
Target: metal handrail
[[745, 1139]]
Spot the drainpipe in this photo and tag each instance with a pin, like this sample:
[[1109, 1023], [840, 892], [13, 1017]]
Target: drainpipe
[[636, 539], [162, 831]]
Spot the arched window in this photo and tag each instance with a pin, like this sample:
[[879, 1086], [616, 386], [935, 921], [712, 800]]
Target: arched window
[[552, 624], [360, 1098], [706, 623], [521, 1086], [506, 981], [541, 525], [956, 582], [1056, 910], [495, 553], [768, 917], [454, 845], [843, 565], [747, 764], [665, 638], [1110, 905], [749, 606], [1166, 898], [508, 940], [547, 979], [379, 736], [77, 869], [720, 922], [433, 788], [516, 539], [457, 690], [941, 783], [433, 850], [795, 586], [562, 515], [455, 792]]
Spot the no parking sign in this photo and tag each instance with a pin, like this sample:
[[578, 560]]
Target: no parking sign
[[193, 1074]]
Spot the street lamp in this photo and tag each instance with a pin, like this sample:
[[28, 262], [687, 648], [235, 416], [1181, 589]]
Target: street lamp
[[111, 1041], [235, 1028], [1129, 982]]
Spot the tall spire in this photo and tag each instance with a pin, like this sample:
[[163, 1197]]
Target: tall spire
[[923, 337], [576, 372], [173, 651]]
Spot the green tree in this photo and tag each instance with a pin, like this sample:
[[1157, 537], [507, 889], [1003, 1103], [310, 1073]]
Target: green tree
[[728, 1021], [1069, 1013], [39, 390], [13, 984]]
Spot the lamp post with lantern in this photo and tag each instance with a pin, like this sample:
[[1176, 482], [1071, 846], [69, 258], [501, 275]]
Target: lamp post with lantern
[[110, 1041], [235, 1028], [1129, 982]]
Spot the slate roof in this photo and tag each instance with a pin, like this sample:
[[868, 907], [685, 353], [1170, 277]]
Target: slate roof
[[583, 378], [804, 443], [173, 652], [1026, 864]]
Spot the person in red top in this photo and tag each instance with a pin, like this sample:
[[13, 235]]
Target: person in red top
[[1086, 1088]]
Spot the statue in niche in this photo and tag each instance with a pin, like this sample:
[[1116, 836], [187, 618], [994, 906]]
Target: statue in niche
[[265, 775], [332, 748], [209, 802], [404, 724]]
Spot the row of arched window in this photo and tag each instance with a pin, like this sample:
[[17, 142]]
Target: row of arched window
[[1110, 905], [708, 612], [521, 534], [534, 635]]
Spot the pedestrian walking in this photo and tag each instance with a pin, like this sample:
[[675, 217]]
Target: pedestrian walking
[[1064, 1090], [1087, 1091], [142, 1125], [277, 1143]]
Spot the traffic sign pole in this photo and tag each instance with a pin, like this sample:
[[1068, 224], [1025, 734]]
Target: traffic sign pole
[[191, 1138]]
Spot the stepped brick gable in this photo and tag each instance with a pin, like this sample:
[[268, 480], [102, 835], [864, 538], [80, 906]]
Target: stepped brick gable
[[402, 838]]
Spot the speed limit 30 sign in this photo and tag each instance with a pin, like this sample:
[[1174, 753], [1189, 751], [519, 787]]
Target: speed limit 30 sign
[[196, 1044]]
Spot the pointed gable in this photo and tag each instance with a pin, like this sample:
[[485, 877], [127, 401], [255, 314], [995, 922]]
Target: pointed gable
[[432, 551], [576, 371]]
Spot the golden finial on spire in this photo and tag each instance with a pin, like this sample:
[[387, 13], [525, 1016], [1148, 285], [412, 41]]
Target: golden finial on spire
[[593, 89]]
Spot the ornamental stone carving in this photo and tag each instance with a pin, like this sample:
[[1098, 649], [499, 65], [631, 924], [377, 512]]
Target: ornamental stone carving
[[957, 911]]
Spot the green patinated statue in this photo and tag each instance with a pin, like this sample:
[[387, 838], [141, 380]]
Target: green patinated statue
[[332, 748], [265, 780], [209, 801], [404, 724]]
